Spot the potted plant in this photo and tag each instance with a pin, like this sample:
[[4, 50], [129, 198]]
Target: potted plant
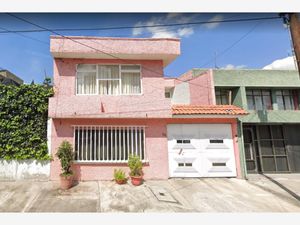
[[120, 176], [136, 169], [65, 155]]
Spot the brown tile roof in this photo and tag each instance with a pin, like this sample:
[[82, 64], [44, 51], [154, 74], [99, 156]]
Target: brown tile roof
[[207, 110]]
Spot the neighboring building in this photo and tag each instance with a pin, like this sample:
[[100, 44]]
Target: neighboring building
[[269, 137], [7, 77], [112, 104]]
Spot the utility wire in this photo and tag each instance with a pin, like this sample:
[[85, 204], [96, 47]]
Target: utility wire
[[88, 46], [140, 26], [149, 69], [232, 45], [25, 36]]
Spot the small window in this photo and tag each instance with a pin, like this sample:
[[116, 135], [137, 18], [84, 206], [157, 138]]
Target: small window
[[185, 164], [168, 92], [216, 141], [223, 96], [219, 164], [185, 141]]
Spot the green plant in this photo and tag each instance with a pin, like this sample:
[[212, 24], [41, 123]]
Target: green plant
[[119, 175], [23, 121], [65, 155], [135, 165]]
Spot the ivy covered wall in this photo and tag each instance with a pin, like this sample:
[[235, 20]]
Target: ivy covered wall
[[23, 121]]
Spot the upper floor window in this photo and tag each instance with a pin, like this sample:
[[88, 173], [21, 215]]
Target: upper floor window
[[285, 99], [223, 97], [259, 99], [108, 79]]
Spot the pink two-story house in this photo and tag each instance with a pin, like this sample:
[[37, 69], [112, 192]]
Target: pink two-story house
[[112, 100]]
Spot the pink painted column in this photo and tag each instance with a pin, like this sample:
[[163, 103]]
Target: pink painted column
[[236, 149]]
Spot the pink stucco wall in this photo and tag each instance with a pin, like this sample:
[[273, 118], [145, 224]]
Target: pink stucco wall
[[151, 103], [150, 108], [201, 87], [156, 148], [165, 49]]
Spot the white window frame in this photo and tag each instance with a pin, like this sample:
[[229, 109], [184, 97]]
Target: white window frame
[[119, 79]]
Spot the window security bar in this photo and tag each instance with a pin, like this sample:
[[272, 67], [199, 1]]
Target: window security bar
[[109, 144]]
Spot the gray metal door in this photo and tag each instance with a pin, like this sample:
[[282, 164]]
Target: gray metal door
[[249, 147]]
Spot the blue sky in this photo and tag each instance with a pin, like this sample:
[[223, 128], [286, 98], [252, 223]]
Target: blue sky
[[265, 42]]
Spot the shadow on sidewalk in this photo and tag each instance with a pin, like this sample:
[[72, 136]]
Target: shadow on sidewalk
[[283, 187]]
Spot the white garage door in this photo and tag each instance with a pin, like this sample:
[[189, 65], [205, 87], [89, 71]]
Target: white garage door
[[201, 150]]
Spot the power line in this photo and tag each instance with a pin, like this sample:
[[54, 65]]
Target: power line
[[103, 52], [232, 45], [88, 46], [25, 36], [140, 26]]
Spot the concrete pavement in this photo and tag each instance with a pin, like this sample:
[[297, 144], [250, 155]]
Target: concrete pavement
[[258, 194]]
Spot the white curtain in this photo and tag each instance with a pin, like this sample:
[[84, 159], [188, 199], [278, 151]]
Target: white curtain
[[131, 83], [86, 83], [108, 80], [109, 83]]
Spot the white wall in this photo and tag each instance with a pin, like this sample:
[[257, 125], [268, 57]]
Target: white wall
[[181, 94], [24, 169]]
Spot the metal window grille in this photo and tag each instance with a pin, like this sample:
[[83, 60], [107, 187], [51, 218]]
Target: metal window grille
[[108, 143]]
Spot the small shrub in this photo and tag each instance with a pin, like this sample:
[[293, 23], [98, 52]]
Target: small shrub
[[119, 175], [135, 165], [65, 155]]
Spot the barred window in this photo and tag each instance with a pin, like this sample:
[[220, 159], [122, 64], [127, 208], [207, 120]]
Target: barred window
[[108, 143]]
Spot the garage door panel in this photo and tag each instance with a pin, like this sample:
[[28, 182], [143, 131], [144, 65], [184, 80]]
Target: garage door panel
[[211, 154]]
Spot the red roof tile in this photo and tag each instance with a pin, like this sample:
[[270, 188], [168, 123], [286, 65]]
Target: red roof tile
[[207, 110]]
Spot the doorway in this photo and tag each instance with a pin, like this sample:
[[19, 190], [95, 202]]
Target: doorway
[[265, 149]]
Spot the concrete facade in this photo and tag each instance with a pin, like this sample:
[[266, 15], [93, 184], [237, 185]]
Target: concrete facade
[[150, 108], [239, 81]]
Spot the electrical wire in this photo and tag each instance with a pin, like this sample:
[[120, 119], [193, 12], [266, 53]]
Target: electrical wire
[[25, 36], [83, 44], [93, 48], [233, 44], [143, 26]]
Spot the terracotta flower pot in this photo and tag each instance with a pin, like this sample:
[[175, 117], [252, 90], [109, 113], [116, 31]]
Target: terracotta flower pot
[[121, 181], [136, 180], [66, 182]]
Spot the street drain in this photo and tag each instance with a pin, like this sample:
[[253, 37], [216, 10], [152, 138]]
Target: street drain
[[162, 194]]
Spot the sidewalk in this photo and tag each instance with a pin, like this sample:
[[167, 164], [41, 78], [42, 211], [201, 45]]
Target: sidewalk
[[173, 195]]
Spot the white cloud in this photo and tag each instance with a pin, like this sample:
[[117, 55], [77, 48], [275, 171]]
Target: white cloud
[[214, 25], [187, 31], [281, 64], [165, 32], [233, 67]]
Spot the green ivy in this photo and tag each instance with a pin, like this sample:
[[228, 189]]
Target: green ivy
[[23, 121]]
